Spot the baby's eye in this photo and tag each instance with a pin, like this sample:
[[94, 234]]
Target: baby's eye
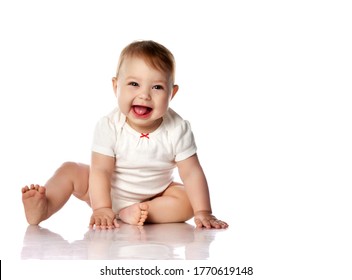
[[158, 87], [134, 84]]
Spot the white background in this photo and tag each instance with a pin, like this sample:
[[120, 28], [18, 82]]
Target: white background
[[266, 86]]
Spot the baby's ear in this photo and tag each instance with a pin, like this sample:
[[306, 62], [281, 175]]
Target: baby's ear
[[174, 91], [114, 84]]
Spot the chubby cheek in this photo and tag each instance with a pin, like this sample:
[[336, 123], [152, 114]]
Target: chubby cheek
[[124, 105], [162, 108]]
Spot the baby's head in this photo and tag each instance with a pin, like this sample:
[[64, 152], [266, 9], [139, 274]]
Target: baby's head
[[144, 84], [154, 54]]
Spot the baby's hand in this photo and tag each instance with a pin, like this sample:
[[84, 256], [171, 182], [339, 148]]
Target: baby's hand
[[103, 218], [207, 220]]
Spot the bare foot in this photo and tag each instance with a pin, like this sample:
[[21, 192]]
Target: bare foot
[[35, 204], [135, 214]]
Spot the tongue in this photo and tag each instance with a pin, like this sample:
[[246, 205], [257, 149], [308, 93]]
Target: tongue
[[140, 110]]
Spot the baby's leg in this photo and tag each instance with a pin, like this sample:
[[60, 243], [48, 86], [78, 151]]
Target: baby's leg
[[171, 207], [42, 202]]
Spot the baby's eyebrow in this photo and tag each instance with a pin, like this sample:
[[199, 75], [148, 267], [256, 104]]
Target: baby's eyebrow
[[131, 78], [153, 81], [160, 82]]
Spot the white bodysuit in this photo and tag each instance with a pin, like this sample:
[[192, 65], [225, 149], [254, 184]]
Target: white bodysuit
[[144, 162]]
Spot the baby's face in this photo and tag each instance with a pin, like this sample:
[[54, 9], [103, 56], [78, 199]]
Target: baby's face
[[143, 94]]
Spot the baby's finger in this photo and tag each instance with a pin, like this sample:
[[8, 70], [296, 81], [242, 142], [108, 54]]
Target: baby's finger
[[198, 223], [223, 224], [110, 224], [92, 222], [206, 223], [215, 223], [107, 223], [97, 222]]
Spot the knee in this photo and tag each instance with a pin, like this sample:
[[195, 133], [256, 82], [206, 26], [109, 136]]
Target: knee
[[68, 167], [72, 169], [187, 210], [76, 174]]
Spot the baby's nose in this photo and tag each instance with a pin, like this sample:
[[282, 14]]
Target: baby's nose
[[144, 94]]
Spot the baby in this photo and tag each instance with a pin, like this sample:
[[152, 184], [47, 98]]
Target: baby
[[135, 150]]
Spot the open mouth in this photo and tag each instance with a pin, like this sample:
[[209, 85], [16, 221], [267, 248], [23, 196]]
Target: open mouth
[[141, 111]]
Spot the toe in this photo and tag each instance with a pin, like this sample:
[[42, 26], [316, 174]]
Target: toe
[[41, 190], [143, 206], [116, 224]]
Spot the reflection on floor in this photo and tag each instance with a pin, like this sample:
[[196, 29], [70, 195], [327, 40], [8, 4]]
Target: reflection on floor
[[179, 241]]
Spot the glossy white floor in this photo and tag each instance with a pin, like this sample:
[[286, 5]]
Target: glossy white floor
[[281, 236], [65, 236], [150, 242]]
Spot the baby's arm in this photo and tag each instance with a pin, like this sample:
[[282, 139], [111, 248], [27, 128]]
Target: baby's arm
[[196, 186], [101, 171]]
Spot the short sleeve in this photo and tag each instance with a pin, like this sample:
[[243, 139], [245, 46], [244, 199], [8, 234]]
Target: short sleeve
[[104, 139], [184, 143]]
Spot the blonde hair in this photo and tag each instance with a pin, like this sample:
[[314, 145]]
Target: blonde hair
[[154, 54]]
